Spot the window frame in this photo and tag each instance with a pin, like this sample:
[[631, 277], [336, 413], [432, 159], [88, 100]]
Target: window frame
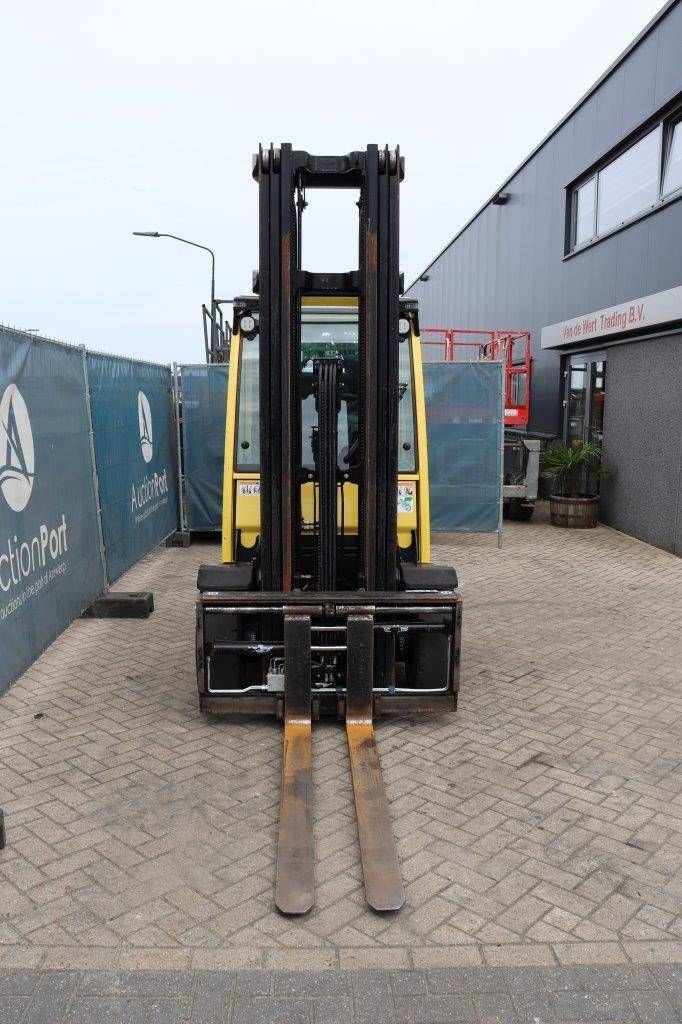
[[253, 466], [665, 123], [574, 213], [673, 122]]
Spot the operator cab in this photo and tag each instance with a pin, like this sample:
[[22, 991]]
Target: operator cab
[[329, 330]]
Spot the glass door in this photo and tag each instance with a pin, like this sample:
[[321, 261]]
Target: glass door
[[576, 403], [584, 396], [585, 392]]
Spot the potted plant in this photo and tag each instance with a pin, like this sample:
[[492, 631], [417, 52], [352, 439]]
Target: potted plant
[[573, 469]]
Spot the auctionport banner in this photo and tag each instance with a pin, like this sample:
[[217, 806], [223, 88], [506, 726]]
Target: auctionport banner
[[133, 426], [50, 558], [204, 397]]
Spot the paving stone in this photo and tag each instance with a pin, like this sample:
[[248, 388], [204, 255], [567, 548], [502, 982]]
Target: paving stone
[[592, 1006], [589, 952], [338, 1010], [300, 959], [539, 979], [164, 984], [13, 1008], [226, 959], [371, 984], [654, 1008], [18, 982], [253, 983], [614, 978], [214, 983], [495, 1008], [531, 954], [433, 1009], [58, 983], [103, 1010], [167, 1011], [271, 1011], [409, 983], [374, 1007], [375, 959], [310, 983], [210, 1008], [457, 980], [454, 956], [48, 1007], [534, 1007], [654, 952], [668, 976]]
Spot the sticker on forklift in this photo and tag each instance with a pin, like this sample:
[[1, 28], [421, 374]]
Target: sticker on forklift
[[405, 498], [247, 487]]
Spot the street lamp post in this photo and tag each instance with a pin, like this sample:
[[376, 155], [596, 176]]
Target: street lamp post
[[159, 234]]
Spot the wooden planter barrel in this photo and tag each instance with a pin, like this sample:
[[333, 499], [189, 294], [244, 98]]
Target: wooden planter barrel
[[574, 513]]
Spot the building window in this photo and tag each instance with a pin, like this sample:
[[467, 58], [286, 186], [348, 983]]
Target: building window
[[672, 173], [585, 211], [644, 175], [629, 185]]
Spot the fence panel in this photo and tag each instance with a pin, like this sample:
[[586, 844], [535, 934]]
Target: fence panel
[[132, 416], [465, 428], [204, 397], [50, 555]]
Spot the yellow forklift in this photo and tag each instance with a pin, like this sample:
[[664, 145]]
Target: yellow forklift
[[326, 601]]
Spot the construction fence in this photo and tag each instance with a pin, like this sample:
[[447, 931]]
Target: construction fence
[[465, 432], [201, 395], [87, 483]]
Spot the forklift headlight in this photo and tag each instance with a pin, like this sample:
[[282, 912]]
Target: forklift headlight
[[247, 325], [403, 326]]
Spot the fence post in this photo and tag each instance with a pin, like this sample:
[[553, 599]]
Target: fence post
[[95, 477], [184, 526]]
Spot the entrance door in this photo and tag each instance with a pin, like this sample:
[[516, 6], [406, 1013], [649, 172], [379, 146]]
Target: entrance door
[[585, 377]]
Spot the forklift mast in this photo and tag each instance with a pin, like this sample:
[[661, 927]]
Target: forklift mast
[[281, 174]]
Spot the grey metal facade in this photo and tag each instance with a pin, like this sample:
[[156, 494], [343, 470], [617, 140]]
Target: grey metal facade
[[508, 268]]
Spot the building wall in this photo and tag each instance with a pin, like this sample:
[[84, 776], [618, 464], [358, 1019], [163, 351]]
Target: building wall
[[643, 441], [507, 268]]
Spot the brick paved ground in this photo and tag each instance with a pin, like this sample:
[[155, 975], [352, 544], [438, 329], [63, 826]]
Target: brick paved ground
[[539, 825]]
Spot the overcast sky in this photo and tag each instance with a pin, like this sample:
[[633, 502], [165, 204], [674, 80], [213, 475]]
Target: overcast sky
[[144, 115]]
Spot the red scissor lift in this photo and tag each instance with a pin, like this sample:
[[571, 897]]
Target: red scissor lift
[[512, 349]]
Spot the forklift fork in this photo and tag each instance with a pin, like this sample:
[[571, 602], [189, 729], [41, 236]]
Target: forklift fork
[[383, 884], [295, 886]]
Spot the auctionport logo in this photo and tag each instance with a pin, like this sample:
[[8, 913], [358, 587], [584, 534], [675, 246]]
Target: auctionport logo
[[151, 493], [16, 450], [144, 415]]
